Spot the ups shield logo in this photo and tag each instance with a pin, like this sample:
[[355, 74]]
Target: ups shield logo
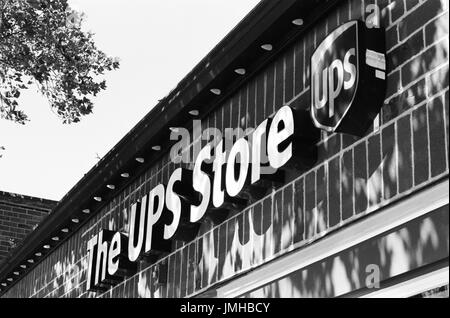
[[348, 71]]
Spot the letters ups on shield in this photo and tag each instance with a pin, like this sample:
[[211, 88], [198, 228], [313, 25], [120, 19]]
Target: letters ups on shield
[[348, 79]]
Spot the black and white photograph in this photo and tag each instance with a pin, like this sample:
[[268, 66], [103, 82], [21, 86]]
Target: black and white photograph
[[225, 154]]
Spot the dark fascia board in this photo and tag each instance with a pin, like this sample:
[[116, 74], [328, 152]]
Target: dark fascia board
[[197, 82]]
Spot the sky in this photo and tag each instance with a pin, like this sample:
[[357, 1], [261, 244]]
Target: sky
[[158, 42]]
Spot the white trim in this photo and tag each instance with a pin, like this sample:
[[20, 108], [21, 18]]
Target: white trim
[[380, 222], [414, 286]]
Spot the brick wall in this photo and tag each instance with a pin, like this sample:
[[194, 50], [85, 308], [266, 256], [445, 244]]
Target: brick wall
[[19, 215], [405, 151]]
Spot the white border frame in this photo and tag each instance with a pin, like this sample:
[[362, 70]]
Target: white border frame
[[380, 222]]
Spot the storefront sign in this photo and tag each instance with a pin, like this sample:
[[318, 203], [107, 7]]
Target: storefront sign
[[348, 82], [175, 210]]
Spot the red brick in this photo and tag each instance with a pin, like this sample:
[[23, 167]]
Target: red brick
[[391, 38], [446, 124], [348, 140], [302, 101], [171, 277], [183, 273], [436, 30], [133, 288], [288, 218], [389, 162], [277, 226], [397, 9], [344, 12], [191, 269], [321, 200], [438, 81], [299, 68], [385, 13], [222, 250], [251, 108], [289, 76], [420, 145], [334, 192], [409, 98], [382, 4], [199, 271], [320, 30], [417, 18], [427, 61], [267, 222], [437, 136], [310, 204], [279, 84], [260, 99], [299, 210], [270, 90], [412, 46], [252, 241], [347, 184], [332, 21], [226, 123], [309, 50], [375, 173], [356, 9], [219, 125], [235, 120], [329, 148], [411, 4], [233, 247], [255, 215], [177, 278]]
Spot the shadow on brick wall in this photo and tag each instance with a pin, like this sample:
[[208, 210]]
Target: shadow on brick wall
[[421, 243]]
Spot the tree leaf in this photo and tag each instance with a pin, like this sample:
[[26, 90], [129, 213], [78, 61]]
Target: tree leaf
[[38, 43]]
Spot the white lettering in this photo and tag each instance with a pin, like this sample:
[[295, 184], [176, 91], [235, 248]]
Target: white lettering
[[114, 251], [349, 68], [257, 136], [219, 161], [157, 193], [241, 149], [135, 246], [281, 129], [173, 203], [201, 184]]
